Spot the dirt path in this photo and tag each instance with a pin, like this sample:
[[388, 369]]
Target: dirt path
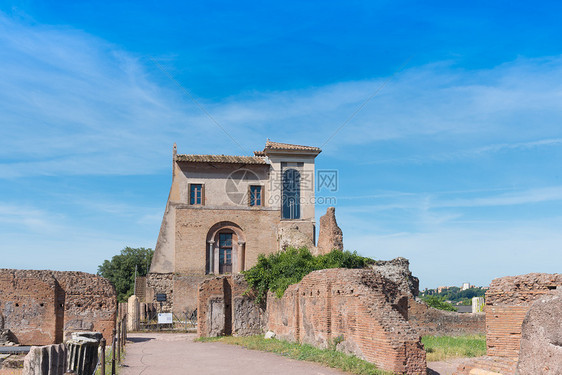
[[444, 367], [177, 354]]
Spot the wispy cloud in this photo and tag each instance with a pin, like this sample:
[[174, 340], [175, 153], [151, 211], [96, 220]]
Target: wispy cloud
[[75, 104]]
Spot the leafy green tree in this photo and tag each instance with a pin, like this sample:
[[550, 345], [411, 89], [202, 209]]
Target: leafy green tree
[[439, 303], [121, 269]]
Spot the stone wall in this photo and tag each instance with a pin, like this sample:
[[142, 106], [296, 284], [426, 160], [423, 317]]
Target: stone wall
[[180, 290], [360, 311], [541, 337], [330, 235], [45, 307], [32, 306], [507, 301], [429, 321], [160, 283], [90, 303], [224, 308]]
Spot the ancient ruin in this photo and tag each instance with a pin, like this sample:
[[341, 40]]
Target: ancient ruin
[[330, 235], [508, 302], [358, 311], [224, 308], [45, 307], [541, 337]]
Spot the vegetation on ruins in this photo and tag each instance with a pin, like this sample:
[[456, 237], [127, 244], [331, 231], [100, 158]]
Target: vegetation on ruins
[[120, 270], [438, 303], [277, 271], [303, 352], [439, 348]]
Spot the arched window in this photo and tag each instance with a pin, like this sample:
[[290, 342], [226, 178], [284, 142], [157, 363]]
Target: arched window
[[291, 208]]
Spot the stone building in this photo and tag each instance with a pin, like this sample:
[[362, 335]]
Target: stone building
[[223, 211]]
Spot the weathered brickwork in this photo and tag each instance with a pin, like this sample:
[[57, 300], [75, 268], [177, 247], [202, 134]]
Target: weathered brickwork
[[429, 321], [30, 306], [507, 301], [224, 308], [359, 310], [259, 228], [180, 291], [45, 307], [330, 235]]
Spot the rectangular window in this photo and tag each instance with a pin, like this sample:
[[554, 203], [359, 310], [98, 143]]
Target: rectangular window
[[256, 198], [196, 194]]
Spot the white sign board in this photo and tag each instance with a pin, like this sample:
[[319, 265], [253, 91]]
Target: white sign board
[[165, 318]]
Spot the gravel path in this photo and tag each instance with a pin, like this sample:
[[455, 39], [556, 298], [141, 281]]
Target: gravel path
[[444, 367], [177, 354]]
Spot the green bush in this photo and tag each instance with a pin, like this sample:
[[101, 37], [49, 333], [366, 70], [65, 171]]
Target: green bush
[[277, 271], [438, 303]]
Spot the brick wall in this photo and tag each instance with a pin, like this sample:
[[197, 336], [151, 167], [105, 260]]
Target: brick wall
[[224, 308], [193, 224], [45, 307], [29, 306], [429, 321], [360, 308], [507, 301], [90, 303]]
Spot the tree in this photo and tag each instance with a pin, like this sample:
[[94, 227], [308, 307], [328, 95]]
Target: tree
[[120, 271], [439, 303]]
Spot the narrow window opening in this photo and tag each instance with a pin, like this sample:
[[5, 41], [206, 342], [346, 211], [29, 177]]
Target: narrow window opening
[[196, 194]]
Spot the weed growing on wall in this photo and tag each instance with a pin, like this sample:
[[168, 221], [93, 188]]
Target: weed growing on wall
[[277, 271]]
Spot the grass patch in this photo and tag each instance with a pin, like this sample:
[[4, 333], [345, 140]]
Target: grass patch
[[439, 348], [108, 362], [302, 352]]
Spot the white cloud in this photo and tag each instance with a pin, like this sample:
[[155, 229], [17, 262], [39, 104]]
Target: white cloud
[[75, 104]]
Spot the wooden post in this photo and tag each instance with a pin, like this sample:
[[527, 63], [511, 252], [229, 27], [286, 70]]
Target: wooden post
[[114, 344], [125, 329], [102, 364], [118, 342]]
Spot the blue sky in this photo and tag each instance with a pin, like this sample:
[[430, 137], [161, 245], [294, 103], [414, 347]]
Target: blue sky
[[454, 163]]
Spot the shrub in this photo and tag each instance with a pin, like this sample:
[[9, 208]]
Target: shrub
[[438, 303], [277, 271]]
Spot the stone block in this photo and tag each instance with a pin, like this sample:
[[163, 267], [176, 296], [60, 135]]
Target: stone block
[[541, 338], [133, 313]]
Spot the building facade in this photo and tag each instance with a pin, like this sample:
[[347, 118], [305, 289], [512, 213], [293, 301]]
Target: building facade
[[223, 211]]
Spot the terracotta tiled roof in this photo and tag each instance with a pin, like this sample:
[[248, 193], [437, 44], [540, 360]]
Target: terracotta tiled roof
[[228, 159], [286, 146]]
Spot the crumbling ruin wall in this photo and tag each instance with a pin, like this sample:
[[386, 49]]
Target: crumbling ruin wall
[[224, 308], [45, 307], [30, 306], [359, 311], [330, 235], [541, 337], [160, 283], [180, 291], [90, 303], [430, 321], [507, 301]]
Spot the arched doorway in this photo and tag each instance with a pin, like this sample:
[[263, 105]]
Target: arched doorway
[[226, 247]]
